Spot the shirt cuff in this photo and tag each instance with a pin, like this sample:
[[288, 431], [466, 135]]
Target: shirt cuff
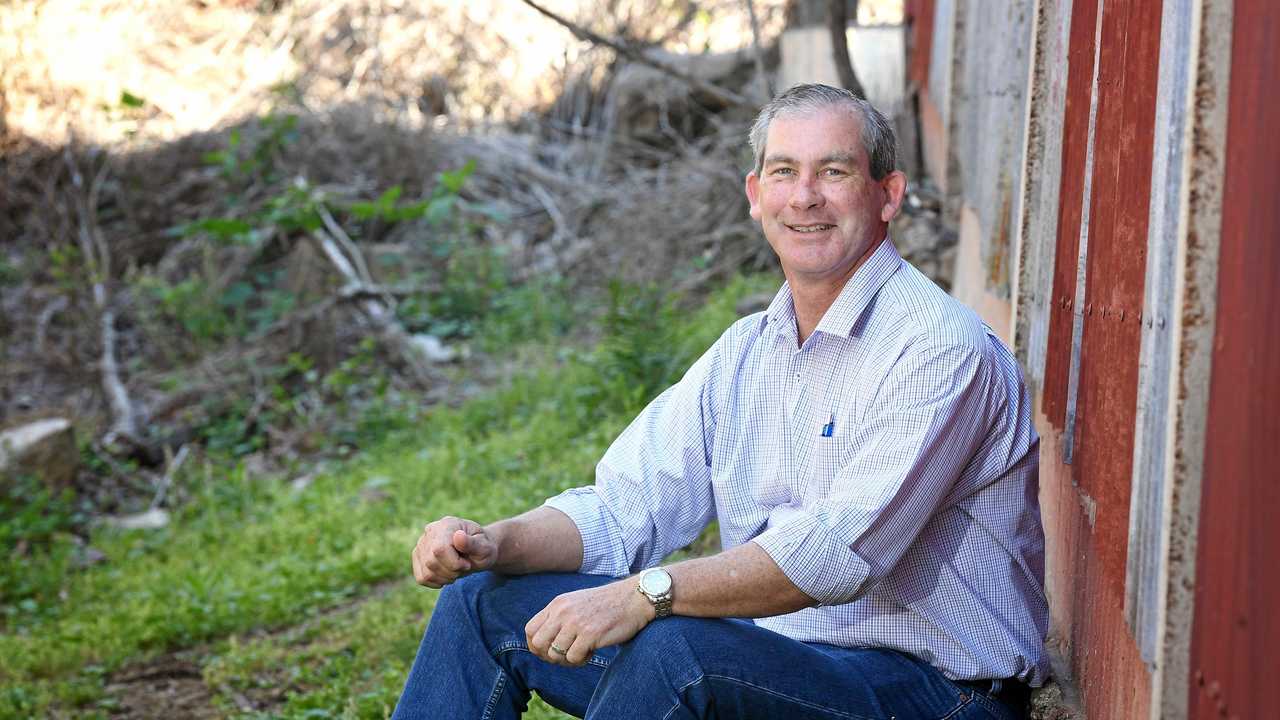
[[601, 555], [812, 557]]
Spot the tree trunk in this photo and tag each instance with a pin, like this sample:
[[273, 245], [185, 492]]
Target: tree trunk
[[837, 24]]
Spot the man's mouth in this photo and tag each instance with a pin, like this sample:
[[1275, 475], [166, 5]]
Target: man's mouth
[[816, 227]]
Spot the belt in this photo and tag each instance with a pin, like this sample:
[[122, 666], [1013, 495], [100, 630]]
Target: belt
[[1010, 691]]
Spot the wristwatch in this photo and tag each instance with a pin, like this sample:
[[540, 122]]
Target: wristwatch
[[655, 585]]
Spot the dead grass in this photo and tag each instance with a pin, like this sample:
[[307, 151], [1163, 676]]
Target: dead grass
[[66, 64]]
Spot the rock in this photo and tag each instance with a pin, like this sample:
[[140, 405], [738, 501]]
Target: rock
[[45, 448], [302, 482], [1050, 703], [434, 349], [148, 520], [88, 556]]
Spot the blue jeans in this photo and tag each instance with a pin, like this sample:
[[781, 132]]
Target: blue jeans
[[473, 663]]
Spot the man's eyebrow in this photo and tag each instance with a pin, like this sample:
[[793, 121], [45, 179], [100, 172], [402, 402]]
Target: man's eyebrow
[[838, 159], [779, 160]]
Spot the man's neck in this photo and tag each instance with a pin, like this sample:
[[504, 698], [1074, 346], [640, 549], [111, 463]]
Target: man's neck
[[812, 297], [811, 301]]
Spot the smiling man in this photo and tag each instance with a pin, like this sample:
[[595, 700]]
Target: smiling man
[[866, 446]]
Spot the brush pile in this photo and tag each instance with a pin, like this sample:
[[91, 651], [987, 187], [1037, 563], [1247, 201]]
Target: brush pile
[[233, 225]]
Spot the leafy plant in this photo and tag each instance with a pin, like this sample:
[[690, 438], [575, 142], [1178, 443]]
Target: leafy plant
[[34, 543], [240, 160], [10, 274], [640, 353]]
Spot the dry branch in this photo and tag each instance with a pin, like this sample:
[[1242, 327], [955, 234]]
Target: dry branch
[[379, 310], [98, 259], [726, 96]]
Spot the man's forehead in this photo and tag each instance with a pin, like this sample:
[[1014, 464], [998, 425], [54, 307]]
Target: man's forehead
[[829, 133]]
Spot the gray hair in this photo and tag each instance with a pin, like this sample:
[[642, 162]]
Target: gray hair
[[877, 134]]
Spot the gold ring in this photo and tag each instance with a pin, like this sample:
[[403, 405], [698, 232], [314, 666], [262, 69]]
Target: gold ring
[[558, 650]]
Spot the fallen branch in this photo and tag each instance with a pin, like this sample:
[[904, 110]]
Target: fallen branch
[[54, 307], [726, 96], [557, 217], [98, 257], [380, 311], [163, 486]]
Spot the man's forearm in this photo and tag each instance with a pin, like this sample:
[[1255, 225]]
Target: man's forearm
[[743, 582], [541, 540]]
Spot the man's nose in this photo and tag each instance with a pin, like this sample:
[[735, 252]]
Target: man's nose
[[805, 194]]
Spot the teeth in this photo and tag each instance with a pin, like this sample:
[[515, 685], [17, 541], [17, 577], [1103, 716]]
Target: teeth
[[810, 228]]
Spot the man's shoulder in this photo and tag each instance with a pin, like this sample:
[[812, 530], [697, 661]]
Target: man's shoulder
[[927, 317]]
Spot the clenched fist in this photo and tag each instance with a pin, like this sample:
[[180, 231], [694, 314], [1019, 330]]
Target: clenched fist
[[450, 548]]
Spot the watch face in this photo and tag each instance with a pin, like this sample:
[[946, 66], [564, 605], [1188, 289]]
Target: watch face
[[655, 582]]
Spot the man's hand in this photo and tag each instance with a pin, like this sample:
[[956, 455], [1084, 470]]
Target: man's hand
[[583, 621], [450, 548]]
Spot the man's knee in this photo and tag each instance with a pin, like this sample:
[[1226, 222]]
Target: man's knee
[[464, 594], [681, 640]]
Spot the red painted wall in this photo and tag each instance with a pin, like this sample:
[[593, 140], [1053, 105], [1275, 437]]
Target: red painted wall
[[1075, 139], [1236, 631], [1087, 503]]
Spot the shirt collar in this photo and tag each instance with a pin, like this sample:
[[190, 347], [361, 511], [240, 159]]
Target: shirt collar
[[849, 306]]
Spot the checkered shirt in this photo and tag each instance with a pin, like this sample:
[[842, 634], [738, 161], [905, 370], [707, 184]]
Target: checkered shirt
[[888, 465]]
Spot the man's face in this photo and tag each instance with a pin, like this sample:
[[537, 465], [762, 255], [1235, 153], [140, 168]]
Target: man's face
[[815, 199]]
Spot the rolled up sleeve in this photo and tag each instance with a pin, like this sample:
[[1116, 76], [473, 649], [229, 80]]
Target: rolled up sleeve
[[926, 423], [652, 493]]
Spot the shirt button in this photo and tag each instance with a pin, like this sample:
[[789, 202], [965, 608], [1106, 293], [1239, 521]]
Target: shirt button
[[797, 377]]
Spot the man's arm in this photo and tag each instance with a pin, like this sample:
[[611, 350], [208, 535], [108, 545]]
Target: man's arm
[[541, 540], [743, 582], [928, 422]]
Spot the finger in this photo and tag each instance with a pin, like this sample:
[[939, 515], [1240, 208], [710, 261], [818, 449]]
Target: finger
[[446, 558], [564, 641], [436, 573], [418, 574], [540, 639], [531, 628], [476, 546], [579, 651]]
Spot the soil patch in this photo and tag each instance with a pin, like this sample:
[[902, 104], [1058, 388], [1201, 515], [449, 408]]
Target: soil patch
[[171, 686]]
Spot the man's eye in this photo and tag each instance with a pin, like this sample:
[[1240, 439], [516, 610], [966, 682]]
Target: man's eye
[[833, 172], [782, 171]]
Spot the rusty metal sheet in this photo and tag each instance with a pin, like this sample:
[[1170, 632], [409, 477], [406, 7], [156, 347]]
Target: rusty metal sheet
[[1236, 630], [1075, 129], [1128, 64]]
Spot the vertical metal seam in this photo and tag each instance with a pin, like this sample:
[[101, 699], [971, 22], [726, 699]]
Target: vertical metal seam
[[1077, 312], [1193, 325]]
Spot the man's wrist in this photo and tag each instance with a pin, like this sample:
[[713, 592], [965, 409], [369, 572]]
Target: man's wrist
[[497, 534], [644, 608]]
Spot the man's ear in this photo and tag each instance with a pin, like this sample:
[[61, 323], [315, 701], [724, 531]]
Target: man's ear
[[895, 191], [753, 194]]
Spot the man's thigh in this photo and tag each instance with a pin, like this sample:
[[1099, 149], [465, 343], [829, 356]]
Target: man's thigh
[[501, 606], [694, 667], [730, 667]]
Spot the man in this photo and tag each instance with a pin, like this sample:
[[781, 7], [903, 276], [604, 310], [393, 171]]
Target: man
[[867, 447]]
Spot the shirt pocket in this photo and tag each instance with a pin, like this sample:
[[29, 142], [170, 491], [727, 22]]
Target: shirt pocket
[[826, 457]]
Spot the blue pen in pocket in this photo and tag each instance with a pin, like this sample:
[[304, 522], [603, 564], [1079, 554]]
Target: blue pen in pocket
[[830, 427]]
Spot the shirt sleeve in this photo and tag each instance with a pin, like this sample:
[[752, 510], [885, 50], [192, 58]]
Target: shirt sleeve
[[928, 420], [652, 493]]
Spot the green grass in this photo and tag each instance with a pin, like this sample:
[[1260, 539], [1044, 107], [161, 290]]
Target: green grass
[[302, 599]]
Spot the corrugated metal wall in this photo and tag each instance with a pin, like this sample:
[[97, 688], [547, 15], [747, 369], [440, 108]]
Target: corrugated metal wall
[[1236, 632], [1127, 97]]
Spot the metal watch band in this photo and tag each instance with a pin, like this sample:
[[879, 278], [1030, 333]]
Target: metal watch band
[[661, 606]]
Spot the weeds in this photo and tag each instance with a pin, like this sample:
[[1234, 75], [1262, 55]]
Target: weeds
[[246, 554]]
